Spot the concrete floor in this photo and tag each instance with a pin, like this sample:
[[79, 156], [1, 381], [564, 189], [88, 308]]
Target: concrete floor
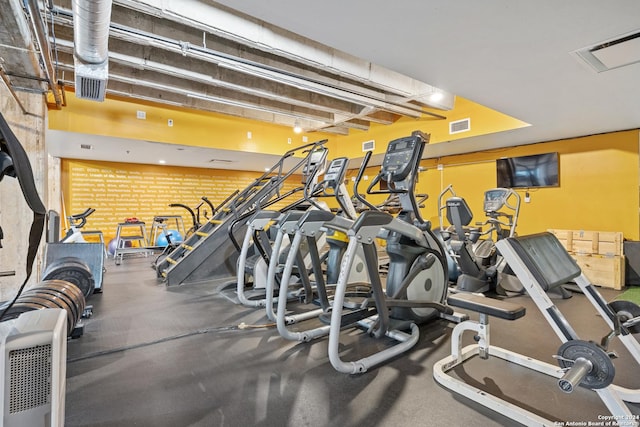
[[158, 356]]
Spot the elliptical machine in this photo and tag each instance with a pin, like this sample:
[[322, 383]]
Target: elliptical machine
[[258, 237], [416, 285], [480, 266], [312, 227]]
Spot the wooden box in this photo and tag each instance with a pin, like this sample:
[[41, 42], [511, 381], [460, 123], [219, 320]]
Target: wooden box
[[598, 253], [582, 242]]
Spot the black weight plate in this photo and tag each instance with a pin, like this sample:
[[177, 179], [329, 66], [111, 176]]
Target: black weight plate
[[46, 303], [62, 286], [57, 295], [22, 307], [626, 310], [602, 371], [57, 298], [68, 289], [72, 270], [17, 309], [77, 276]]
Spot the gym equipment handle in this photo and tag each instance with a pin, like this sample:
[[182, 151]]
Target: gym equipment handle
[[574, 376]]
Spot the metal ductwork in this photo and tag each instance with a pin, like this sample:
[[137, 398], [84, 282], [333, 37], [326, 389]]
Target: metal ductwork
[[91, 20]]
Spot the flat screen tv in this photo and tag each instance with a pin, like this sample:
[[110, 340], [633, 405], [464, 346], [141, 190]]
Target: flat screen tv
[[539, 170]]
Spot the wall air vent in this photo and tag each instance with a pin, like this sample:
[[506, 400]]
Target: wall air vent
[[91, 80], [220, 161], [615, 53], [86, 146], [368, 145], [459, 126]]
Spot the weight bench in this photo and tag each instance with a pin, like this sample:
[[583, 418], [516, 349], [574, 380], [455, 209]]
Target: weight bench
[[542, 264]]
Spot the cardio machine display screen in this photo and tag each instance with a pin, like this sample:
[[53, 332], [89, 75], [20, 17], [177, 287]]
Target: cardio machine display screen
[[495, 199], [399, 158]]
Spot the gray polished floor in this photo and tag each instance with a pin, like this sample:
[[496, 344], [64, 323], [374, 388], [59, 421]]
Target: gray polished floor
[[158, 356]]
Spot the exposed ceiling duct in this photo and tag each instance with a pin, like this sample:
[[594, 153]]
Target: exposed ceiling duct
[[184, 53], [91, 20]]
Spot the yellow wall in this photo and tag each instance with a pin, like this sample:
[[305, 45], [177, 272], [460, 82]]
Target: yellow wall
[[117, 118], [598, 184], [599, 174], [121, 190], [483, 121]]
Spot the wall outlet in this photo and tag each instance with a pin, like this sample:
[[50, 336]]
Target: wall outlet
[[142, 115], [170, 122]]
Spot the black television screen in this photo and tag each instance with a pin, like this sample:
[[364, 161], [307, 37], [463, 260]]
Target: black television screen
[[539, 170]]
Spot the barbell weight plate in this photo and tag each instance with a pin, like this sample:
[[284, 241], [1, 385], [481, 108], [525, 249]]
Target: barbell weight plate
[[57, 298], [17, 309], [602, 372], [79, 276], [73, 270], [626, 310], [47, 303], [73, 300], [62, 286]]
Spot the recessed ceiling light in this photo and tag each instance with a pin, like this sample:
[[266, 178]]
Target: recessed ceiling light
[[162, 162], [436, 96]]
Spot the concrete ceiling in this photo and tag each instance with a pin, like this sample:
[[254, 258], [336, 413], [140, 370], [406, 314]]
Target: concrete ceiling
[[335, 66]]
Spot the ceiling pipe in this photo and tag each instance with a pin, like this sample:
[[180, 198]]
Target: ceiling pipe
[[366, 98], [91, 21], [45, 51]]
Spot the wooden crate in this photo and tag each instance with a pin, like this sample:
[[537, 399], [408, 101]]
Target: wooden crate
[[591, 242], [598, 253], [607, 271]]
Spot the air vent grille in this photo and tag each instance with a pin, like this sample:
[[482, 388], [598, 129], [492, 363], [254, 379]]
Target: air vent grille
[[611, 54], [368, 145], [30, 381], [459, 126], [92, 89]]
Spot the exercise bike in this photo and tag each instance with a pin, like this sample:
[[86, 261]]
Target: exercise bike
[[76, 222]]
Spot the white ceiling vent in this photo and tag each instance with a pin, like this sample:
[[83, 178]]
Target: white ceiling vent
[[91, 20], [91, 81], [615, 53], [459, 126], [368, 145]]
